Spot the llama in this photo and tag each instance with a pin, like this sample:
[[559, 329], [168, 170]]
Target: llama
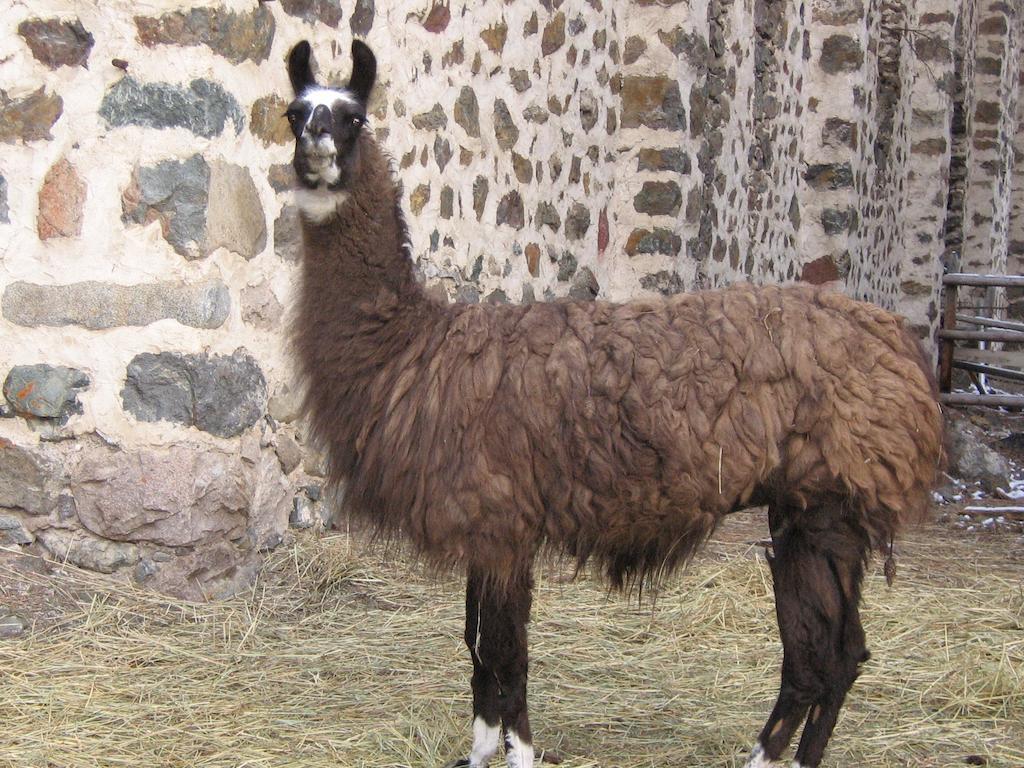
[[614, 433]]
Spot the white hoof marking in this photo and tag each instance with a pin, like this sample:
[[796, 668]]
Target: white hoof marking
[[518, 753], [485, 743]]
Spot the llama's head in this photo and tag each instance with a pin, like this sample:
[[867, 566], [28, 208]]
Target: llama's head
[[327, 121]]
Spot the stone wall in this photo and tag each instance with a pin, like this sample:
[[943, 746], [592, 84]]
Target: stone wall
[[590, 148]]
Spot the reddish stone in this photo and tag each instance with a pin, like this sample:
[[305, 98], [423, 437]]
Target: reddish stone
[[438, 18], [61, 200], [820, 271], [533, 259]]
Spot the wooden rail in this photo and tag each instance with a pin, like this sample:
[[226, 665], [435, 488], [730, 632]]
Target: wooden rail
[[979, 360]]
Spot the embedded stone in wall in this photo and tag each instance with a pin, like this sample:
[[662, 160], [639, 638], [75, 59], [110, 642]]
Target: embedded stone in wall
[[672, 159], [361, 20], [820, 271], [175, 193], [520, 79], [494, 37], [841, 53], [480, 190], [85, 551], [13, 532], [437, 18], [633, 49], [584, 285], [442, 152], [664, 282], [837, 12], [175, 496], [234, 216], [203, 107], [432, 120], [658, 241], [45, 391], [522, 167], [29, 479], [447, 202], [29, 118], [61, 200], [281, 176], [829, 176], [267, 120], [658, 198], [505, 130], [535, 113], [419, 198], [260, 306], [532, 252], [987, 112], [691, 45], [288, 235], [652, 102], [311, 11], [577, 221], [5, 214], [57, 43], [467, 112], [837, 133], [96, 305], [588, 110], [220, 394], [835, 221], [237, 37], [547, 216], [510, 211], [554, 34]]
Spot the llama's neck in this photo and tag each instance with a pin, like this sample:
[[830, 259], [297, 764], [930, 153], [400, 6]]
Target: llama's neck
[[360, 306]]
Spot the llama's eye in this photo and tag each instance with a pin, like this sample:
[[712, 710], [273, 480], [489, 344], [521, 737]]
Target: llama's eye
[[357, 121]]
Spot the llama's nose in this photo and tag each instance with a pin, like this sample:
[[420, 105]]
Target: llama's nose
[[320, 122]]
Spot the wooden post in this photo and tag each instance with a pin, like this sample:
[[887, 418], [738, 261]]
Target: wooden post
[[946, 345]]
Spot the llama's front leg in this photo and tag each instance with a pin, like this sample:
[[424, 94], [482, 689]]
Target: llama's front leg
[[496, 620]]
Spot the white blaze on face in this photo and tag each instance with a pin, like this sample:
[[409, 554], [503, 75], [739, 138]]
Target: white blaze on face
[[485, 743], [321, 152], [518, 753]]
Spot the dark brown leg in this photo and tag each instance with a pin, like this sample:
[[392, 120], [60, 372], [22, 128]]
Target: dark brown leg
[[817, 571], [496, 637]]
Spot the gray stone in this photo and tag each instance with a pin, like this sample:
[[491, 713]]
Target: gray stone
[[86, 551], [176, 194], [5, 213], [971, 460], [361, 20], [588, 110], [12, 626], [288, 234], [535, 113], [841, 53], [691, 45], [505, 130], [260, 306], [830, 176], [57, 43], [480, 190], [447, 202], [566, 266], [510, 211], [214, 571], [520, 79], [97, 306], [175, 496], [547, 215], [836, 220], [311, 11], [302, 514], [433, 120], [234, 216], [29, 118], [237, 37], [633, 49], [837, 12], [222, 395], [271, 503], [29, 479], [664, 282], [285, 406], [658, 198], [203, 107], [577, 221], [45, 391], [13, 531], [584, 285], [442, 152], [288, 452], [467, 112], [838, 133]]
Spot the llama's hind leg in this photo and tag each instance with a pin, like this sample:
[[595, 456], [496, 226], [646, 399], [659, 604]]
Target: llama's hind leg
[[496, 637], [817, 570]]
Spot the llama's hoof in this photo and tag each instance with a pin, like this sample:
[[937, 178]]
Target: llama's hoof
[[460, 762]]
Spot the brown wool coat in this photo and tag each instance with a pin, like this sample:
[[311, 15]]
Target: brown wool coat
[[621, 432]]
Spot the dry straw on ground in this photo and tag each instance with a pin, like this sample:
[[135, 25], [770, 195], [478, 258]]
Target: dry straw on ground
[[338, 658]]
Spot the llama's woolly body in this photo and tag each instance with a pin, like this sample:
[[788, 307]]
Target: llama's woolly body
[[621, 432]]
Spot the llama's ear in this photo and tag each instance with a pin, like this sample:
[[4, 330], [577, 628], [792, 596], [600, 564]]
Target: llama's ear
[[364, 71], [300, 70]]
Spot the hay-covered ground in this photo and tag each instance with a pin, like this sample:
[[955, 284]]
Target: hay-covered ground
[[339, 657]]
